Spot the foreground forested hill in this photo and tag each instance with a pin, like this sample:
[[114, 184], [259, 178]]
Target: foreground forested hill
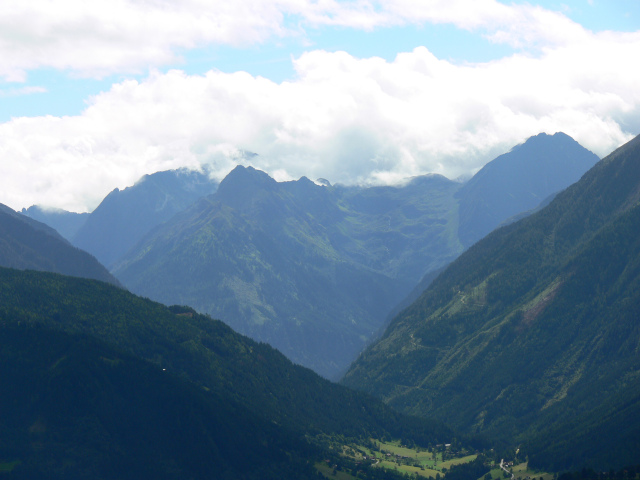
[[76, 408], [85, 361]]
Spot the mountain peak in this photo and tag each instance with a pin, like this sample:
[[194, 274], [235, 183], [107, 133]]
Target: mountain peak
[[545, 140], [428, 179], [519, 180], [125, 216], [242, 174], [243, 184]]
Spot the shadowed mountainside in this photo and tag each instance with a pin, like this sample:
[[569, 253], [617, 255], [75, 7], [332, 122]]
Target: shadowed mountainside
[[125, 216]]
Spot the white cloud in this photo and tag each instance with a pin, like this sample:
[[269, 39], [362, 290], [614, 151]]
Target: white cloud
[[343, 119], [103, 37]]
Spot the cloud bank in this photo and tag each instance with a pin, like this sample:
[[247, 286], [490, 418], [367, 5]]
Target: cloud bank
[[342, 118]]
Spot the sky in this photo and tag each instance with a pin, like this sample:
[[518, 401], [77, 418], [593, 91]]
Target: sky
[[93, 95]]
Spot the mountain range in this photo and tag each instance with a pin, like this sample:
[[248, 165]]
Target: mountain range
[[527, 342], [125, 216], [531, 337], [313, 268]]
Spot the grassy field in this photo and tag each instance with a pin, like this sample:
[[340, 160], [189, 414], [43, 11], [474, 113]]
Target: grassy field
[[415, 461], [423, 472], [394, 456], [457, 461], [522, 471]]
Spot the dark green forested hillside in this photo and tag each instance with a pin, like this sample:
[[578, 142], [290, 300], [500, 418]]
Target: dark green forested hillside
[[75, 408], [599, 309], [27, 243], [531, 336], [206, 352]]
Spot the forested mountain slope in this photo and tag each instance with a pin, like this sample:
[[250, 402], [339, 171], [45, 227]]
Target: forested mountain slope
[[29, 244], [206, 352], [76, 408], [531, 336]]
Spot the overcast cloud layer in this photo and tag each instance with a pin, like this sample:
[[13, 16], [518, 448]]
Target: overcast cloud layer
[[343, 118]]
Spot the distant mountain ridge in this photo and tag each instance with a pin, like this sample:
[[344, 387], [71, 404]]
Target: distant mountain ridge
[[314, 269], [518, 181], [259, 256], [125, 216], [531, 336], [28, 244], [65, 223]]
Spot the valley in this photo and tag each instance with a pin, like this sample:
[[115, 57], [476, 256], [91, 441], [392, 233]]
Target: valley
[[427, 462], [515, 359], [311, 268], [434, 461], [319, 240]]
